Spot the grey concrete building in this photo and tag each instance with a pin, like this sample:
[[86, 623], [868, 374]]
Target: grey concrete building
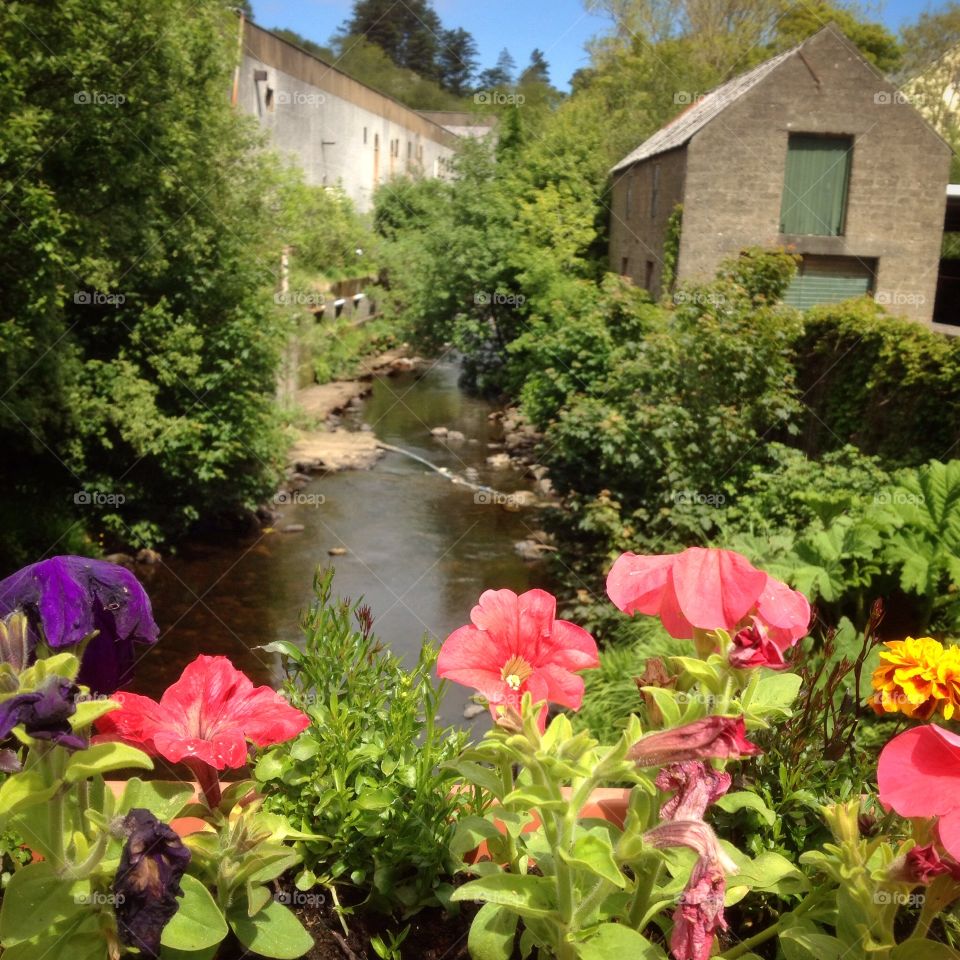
[[814, 151], [340, 131]]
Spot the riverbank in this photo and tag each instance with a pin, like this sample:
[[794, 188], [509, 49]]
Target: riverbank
[[324, 444]]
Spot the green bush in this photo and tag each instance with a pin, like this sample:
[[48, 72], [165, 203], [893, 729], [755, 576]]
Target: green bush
[[367, 777], [136, 256], [888, 385]]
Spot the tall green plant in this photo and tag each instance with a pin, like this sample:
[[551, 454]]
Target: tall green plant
[[366, 778]]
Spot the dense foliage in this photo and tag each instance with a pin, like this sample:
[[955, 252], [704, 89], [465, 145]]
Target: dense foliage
[[137, 341]]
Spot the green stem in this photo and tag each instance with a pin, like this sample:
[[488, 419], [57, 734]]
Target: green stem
[[646, 881], [505, 768]]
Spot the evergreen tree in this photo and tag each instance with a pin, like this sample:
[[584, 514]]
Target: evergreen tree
[[457, 60], [538, 71], [500, 75], [409, 32]]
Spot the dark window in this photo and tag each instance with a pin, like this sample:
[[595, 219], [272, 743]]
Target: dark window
[[655, 191], [648, 282], [816, 186], [625, 267], [268, 98]]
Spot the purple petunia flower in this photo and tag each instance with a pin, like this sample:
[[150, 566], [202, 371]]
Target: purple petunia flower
[[66, 599], [45, 714], [147, 883]]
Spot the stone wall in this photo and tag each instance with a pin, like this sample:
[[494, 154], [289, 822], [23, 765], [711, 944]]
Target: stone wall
[[638, 222]]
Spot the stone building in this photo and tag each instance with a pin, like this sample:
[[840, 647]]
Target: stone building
[[340, 131], [813, 151]]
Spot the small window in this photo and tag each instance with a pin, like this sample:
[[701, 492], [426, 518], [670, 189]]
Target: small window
[[625, 267], [364, 136], [816, 186], [648, 281], [268, 98], [655, 191]]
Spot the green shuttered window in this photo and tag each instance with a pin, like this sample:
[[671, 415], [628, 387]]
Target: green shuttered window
[[829, 280], [816, 185]]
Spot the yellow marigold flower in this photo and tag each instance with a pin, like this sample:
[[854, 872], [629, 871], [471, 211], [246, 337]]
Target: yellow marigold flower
[[917, 677]]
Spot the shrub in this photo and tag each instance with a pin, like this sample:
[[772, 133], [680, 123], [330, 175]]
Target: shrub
[[886, 384], [366, 778]]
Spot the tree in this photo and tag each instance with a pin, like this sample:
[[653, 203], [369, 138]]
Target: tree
[[500, 75], [538, 71], [409, 32], [138, 350], [457, 61], [874, 41]]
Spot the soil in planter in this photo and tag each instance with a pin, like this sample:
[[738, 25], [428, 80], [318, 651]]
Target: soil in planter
[[434, 935]]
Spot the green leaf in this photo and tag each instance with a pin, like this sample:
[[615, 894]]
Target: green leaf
[[744, 800], [470, 832], [89, 710], [804, 941], [170, 953], [595, 855], [25, 789], [923, 950], [163, 798], [617, 942], [480, 776], [103, 758], [34, 900], [198, 923], [492, 933], [529, 896], [284, 647], [772, 872], [775, 693], [700, 670], [273, 932]]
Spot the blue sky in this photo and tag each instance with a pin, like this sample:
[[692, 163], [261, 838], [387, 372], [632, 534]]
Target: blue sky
[[558, 27]]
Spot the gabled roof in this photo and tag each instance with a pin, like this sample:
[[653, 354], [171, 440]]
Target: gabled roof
[[679, 131]]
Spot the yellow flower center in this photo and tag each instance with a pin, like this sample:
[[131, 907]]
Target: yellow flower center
[[515, 671]]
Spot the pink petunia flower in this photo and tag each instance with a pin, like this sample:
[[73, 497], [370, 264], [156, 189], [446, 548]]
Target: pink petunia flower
[[706, 589], [513, 646], [722, 738], [204, 719], [919, 776]]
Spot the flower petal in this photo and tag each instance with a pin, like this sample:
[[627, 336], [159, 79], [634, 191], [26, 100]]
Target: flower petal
[[948, 830], [562, 687], [636, 582], [715, 588], [786, 613], [570, 647], [919, 772]]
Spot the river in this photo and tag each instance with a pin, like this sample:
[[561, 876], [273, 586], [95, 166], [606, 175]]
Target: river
[[419, 549]]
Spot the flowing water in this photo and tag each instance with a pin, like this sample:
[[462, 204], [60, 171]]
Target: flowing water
[[420, 549]]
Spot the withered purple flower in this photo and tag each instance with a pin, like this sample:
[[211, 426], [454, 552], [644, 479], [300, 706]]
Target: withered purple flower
[[45, 714], [67, 599], [147, 883]]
